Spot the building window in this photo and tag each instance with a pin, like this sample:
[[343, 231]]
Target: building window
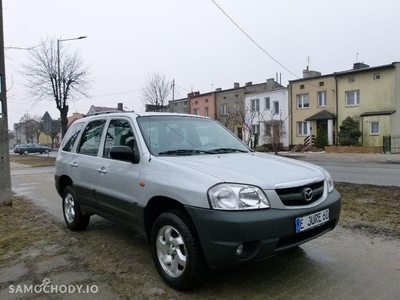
[[196, 111], [206, 111], [374, 128], [321, 83], [302, 86], [322, 98], [255, 105], [352, 79], [353, 98], [196, 102], [302, 101], [224, 109], [206, 100], [185, 103], [267, 103], [276, 107], [377, 76], [302, 128], [268, 129], [255, 129]]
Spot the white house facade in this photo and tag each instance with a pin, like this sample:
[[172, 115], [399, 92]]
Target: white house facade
[[268, 118]]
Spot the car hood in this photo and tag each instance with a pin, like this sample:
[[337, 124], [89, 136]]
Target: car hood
[[263, 170]]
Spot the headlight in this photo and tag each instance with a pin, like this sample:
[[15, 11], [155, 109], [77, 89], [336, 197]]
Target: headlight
[[237, 197], [329, 181]]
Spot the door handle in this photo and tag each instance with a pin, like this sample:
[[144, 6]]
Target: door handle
[[74, 164], [102, 170]]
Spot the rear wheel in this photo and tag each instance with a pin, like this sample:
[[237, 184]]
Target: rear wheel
[[73, 216], [176, 250], [26, 152]]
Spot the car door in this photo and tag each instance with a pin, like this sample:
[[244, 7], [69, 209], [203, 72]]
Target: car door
[[84, 165], [117, 181]]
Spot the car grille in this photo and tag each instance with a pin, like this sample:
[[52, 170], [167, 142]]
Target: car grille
[[295, 196]]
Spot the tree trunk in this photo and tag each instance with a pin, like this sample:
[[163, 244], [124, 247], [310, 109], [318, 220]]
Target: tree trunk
[[64, 120]]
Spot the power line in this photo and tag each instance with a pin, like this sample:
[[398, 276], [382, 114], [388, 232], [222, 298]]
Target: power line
[[254, 42]]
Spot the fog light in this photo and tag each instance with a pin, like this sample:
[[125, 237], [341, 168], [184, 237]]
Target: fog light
[[239, 250]]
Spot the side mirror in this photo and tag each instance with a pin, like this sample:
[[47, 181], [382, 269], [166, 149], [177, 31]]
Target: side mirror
[[124, 153]]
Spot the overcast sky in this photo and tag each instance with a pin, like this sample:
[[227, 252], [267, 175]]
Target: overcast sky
[[193, 42]]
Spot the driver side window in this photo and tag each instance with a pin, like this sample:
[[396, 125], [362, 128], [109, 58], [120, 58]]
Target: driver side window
[[119, 133]]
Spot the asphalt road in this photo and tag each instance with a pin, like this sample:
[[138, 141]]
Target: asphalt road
[[358, 172], [339, 265]]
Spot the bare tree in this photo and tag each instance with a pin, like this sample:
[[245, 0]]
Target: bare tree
[[156, 90], [275, 129], [54, 131], [37, 127], [27, 126], [44, 82]]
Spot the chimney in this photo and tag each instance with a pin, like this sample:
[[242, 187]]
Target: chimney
[[218, 89], [236, 85], [270, 84], [120, 107], [359, 65], [197, 93], [249, 83]]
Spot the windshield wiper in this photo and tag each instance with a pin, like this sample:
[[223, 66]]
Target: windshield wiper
[[227, 150], [185, 152]]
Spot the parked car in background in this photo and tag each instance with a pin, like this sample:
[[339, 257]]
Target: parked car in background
[[31, 148]]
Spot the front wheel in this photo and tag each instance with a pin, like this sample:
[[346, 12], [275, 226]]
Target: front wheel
[[176, 250], [73, 216]]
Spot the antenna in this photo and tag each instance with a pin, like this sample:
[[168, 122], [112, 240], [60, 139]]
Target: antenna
[[308, 62], [357, 57]]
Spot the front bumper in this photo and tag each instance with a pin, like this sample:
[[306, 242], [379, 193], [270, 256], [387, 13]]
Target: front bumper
[[262, 232]]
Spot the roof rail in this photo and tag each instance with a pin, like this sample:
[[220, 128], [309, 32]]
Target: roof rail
[[107, 112]]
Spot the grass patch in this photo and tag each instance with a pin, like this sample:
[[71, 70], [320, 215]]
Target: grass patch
[[22, 225], [33, 161], [373, 208]]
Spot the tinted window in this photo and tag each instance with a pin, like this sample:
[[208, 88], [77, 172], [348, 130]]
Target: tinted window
[[119, 133], [91, 136], [70, 137]]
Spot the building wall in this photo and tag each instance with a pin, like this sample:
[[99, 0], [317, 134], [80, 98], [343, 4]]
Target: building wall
[[233, 99], [264, 115], [311, 86], [201, 102], [375, 95], [179, 106]]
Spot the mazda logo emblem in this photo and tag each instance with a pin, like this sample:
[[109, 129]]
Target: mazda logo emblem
[[307, 193]]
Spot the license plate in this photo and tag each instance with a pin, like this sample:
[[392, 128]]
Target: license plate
[[311, 221]]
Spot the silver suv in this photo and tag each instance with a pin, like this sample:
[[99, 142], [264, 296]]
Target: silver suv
[[199, 195]]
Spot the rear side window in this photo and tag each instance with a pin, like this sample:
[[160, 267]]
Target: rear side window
[[70, 137], [90, 141]]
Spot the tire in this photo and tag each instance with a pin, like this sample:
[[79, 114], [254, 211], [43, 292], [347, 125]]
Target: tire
[[46, 151], [41, 153], [72, 212], [176, 250], [26, 152]]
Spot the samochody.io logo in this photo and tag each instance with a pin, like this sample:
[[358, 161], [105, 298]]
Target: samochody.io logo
[[47, 288]]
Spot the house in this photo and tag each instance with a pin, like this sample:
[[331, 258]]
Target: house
[[267, 116], [369, 95], [179, 106], [202, 104], [98, 109], [312, 103]]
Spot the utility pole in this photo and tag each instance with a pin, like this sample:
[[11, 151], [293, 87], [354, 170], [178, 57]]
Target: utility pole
[[173, 89], [5, 176]]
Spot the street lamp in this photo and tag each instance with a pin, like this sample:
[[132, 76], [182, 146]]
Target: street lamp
[[58, 61]]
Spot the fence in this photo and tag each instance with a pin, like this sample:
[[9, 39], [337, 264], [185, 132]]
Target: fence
[[391, 144], [353, 149]]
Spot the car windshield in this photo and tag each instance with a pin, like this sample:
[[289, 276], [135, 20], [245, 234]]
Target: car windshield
[[184, 135]]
